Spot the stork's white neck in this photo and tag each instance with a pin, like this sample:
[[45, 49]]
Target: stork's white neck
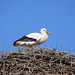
[[44, 34]]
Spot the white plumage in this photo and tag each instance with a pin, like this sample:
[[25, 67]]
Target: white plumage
[[32, 39]]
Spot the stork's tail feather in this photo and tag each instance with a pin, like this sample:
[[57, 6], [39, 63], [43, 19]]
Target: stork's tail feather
[[15, 44]]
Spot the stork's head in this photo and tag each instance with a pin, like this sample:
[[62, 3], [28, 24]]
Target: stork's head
[[43, 30]]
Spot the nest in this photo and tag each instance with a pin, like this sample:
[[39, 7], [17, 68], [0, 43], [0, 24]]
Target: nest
[[41, 61]]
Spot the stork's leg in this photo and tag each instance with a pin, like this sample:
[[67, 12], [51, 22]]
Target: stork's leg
[[19, 48], [33, 47]]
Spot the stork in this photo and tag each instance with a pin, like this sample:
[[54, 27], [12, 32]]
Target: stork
[[32, 39]]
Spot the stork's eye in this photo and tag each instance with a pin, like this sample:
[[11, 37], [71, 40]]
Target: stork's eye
[[44, 30]]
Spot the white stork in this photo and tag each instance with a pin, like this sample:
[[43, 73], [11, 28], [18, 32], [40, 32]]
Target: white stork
[[32, 39]]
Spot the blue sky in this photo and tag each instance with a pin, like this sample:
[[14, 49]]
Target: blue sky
[[19, 17]]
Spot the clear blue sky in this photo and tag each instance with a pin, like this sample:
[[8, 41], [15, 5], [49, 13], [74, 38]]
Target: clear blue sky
[[19, 17]]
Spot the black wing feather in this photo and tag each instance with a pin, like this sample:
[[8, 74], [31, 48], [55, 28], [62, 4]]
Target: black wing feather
[[26, 39]]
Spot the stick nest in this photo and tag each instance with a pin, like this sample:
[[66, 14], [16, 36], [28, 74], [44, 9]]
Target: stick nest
[[41, 61]]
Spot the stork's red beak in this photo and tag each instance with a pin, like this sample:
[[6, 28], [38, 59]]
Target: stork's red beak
[[49, 33]]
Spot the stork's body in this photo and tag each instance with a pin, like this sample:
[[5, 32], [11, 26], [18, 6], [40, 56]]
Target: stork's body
[[32, 39]]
